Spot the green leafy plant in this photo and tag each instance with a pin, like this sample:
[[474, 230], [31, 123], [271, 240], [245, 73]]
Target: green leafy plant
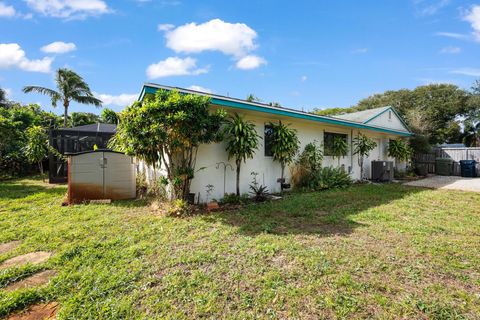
[[242, 141], [70, 87], [400, 150], [339, 148], [307, 164], [168, 128], [232, 198], [109, 116], [330, 178], [285, 145], [178, 208], [36, 148], [259, 192], [363, 145]]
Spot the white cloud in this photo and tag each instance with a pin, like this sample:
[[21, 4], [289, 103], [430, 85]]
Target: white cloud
[[452, 35], [200, 89], [250, 62], [6, 10], [235, 39], [360, 50], [473, 16], [121, 100], [13, 56], [59, 47], [165, 27], [69, 9], [429, 7], [304, 78], [8, 92], [451, 50], [472, 72], [174, 66]]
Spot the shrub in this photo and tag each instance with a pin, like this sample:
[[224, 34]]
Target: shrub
[[178, 208], [331, 178], [232, 198]]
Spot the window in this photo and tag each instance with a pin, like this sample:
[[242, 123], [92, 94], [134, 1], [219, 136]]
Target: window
[[389, 115], [268, 136], [328, 138]]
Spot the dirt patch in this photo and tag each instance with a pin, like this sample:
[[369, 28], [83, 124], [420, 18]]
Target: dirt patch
[[9, 246], [38, 279], [32, 257], [37, 312]]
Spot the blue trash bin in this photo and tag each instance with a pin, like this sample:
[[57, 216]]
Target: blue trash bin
[[468, 168]]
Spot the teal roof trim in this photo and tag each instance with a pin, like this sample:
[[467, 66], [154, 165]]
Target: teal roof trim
[[237, 104]]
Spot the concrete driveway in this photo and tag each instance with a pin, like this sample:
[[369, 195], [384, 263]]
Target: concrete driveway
[[443, 182]]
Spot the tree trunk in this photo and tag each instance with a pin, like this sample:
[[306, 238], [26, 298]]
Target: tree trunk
[[239, 163], [281, 177], [65, 113], [40, 167]]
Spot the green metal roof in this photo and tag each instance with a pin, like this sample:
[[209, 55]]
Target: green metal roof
[[151, 88]]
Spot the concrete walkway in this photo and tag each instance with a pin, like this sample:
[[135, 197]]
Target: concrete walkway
[[452, 183]]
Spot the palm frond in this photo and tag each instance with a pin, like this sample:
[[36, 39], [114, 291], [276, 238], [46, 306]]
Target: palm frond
[[88, 99], [45, 91]]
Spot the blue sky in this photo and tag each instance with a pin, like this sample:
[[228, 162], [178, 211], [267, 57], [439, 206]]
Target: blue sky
[[303, 54]]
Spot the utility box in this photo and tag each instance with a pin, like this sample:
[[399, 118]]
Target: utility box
[[468, 168], [444, 166], [100, 174], [382, 171]]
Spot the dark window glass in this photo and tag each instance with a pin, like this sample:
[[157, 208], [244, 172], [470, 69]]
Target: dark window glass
[[328, 141], [268, 136]]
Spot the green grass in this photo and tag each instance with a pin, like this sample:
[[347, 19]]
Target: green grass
[[367, 252]]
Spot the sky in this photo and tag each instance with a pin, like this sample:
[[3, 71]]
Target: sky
[[303, 54]]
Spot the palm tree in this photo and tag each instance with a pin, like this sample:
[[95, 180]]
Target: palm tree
[[70, 87], [242, 141]]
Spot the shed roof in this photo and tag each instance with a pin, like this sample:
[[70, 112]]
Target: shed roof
[[96, 127]]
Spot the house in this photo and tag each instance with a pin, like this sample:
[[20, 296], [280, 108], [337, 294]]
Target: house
[[380, 124]]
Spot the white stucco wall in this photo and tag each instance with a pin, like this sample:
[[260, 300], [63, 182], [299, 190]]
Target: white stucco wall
[[269, 171]]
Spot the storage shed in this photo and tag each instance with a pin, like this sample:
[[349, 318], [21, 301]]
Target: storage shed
[[100, 174], [74, 140]]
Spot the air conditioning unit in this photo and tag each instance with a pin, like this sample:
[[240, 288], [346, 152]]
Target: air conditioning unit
[[382, 171]]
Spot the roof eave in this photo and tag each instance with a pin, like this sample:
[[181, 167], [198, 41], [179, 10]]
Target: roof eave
[[253, 106]]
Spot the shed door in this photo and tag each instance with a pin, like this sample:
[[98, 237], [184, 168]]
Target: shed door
[[119, 176], [86, 176]]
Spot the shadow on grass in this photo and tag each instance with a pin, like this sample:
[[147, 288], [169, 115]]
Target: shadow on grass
[[18, 189], [324, 213]]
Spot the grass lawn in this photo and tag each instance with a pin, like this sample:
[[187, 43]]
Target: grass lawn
[[367, 252]]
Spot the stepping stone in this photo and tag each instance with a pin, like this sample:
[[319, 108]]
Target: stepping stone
[[38, 311], [32, 258], [9, 246], [38, 279]]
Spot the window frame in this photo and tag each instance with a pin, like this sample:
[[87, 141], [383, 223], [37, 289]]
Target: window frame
[[326, 148], [267, 144]]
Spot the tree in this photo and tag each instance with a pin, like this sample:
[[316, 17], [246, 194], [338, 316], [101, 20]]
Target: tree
[[83, 118], [70, 87], [242, 141], [362, 146], [253, 98], [109, 116], [285, 145], [3, 98], [339, 148], [471, 137], [36, 148], [170, 126]]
